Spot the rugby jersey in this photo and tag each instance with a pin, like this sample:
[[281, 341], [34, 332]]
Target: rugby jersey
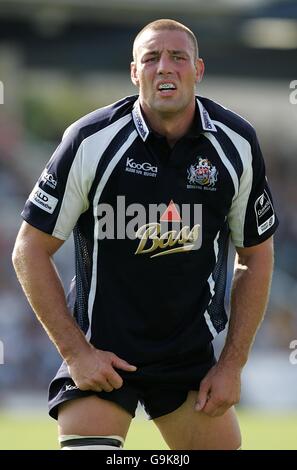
[[151, 224]]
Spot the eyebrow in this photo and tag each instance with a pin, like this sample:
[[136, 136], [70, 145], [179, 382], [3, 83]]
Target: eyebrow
[[179, 52], [171, 51]]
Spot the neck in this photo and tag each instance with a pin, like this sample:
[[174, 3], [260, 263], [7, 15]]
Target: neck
[[173, 126]]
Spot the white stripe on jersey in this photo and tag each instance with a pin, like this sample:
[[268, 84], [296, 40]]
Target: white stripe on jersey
[[81, 176], [224, 160], [111, 166], [210, 324], [238, 209], [211, 283]]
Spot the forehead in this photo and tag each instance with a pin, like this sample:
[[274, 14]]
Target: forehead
[[163, 40]]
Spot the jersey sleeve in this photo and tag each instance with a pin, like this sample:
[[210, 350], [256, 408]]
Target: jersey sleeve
[[252, 217], [60, 195]]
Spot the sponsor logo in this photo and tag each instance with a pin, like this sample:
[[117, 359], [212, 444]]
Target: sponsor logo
[[171, 214], [70, 387], [173, 241], [158, 241], [145, 168], [264, 213], [49, 179], [43, 200], [157, 229], [202, 175]]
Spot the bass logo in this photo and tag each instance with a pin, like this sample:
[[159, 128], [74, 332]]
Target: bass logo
[[157, 240]]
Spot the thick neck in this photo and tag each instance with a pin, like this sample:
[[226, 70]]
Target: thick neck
[[173, 126]]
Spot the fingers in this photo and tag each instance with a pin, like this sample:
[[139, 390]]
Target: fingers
[[114, 379], [97, 385], [216, 406], [109, 379], [214, 409], [203, 395], [100, 375], [121, 363], [106, 386]]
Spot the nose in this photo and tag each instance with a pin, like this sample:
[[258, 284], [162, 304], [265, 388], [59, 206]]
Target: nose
[[164, 65]]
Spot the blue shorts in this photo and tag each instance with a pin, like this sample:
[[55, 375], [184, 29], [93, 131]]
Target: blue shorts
[[160, 389]]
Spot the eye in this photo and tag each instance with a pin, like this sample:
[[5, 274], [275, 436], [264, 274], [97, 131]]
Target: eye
[[179, 58], [150, 59]]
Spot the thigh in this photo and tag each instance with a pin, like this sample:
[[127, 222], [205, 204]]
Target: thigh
[[188, 429], [93, 416]]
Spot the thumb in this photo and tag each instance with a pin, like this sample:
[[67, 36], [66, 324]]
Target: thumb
[[122, 364], [202, 396]]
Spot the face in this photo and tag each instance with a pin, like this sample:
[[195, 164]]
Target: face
[[166, 71]]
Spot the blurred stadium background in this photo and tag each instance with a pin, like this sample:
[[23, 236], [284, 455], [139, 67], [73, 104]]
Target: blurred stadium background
[[60, 59]]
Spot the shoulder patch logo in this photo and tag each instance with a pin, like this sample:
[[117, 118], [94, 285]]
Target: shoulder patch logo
[[264, 213], [202, 175], [49, 179], [43, 200]]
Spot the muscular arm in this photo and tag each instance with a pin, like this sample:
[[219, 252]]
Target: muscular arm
[[220, 389], [32, 258], [250, 291]]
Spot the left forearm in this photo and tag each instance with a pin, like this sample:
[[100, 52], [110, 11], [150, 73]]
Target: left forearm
[[249, 298]]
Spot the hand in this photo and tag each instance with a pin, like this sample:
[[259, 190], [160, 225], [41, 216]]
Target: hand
[[219, 390], [94, 370]]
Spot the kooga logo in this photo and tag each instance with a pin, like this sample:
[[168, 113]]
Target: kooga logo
[[131, 165]]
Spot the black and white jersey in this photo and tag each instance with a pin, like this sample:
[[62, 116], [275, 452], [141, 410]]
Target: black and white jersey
[[151, 224]]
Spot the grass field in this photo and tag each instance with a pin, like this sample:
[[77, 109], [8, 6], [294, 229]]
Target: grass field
[[259, 430]]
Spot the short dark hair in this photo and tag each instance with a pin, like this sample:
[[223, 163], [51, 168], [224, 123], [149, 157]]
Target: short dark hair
[[170, 25]]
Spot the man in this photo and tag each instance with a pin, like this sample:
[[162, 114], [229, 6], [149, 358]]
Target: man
[[148, 299]]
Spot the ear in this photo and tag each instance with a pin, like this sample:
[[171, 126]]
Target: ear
[[134, 74], [199, 70]]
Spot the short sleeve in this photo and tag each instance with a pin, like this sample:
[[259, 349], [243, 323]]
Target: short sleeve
[[252, 217], [60, 195]]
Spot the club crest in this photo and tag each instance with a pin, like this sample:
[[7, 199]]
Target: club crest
[[202, 175]]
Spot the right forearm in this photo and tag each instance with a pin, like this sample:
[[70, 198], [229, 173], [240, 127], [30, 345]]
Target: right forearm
[[44, 291], [89, 367]]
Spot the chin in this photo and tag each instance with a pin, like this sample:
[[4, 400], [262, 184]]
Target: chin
[[168, 107]]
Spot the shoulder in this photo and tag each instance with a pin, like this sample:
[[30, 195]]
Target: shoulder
[[100, 119], [227, 119]]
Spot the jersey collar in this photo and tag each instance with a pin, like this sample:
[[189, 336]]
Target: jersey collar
[[139, 121], [204, 121]]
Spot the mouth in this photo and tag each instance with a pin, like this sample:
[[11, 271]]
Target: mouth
[[166, 88]]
